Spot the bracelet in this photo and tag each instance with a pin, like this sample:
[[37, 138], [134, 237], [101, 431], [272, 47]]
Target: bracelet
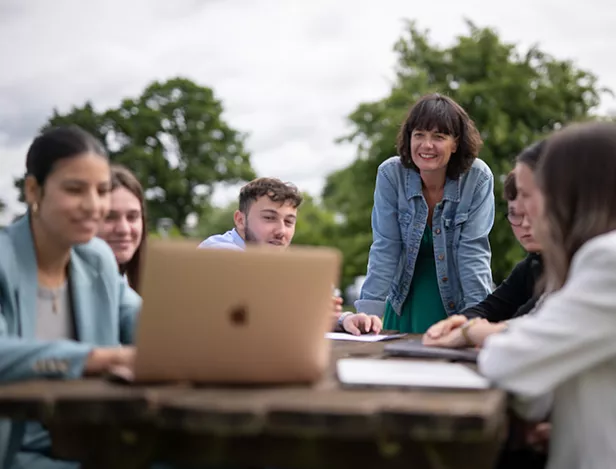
[[464, 329]]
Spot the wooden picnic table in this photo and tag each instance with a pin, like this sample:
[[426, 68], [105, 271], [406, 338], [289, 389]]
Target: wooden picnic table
[[115, 426]]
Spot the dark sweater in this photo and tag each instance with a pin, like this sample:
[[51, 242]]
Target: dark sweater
[[515, 296]]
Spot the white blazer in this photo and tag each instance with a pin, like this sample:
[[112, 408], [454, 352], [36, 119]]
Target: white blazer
[[565, 354]]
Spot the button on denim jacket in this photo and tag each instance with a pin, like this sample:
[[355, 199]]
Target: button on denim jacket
[[461, 224]]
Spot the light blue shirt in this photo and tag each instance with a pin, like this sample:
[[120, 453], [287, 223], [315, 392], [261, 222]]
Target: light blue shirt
[[229, 240], [461, 224]]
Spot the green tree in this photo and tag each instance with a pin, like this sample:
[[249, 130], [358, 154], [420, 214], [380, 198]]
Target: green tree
[[216, 220], [85, 117], [316, 226], [514, 98], [175, 140]]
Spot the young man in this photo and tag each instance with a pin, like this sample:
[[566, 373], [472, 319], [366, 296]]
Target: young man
[[267, 214]]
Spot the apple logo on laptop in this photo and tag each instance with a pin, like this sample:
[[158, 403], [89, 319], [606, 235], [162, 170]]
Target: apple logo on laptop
[[239, 315]]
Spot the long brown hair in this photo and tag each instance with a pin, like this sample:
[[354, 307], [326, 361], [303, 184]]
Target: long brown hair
[[123, 177], [577, 176]]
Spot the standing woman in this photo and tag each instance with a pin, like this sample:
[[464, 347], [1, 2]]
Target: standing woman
[[125, 227], [64, 310], [433, 211]]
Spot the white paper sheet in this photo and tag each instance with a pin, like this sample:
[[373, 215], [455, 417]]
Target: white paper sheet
[[361, 338], [408, 373]]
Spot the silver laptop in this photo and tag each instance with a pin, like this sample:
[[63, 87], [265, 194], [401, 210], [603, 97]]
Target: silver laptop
[[222, 316]]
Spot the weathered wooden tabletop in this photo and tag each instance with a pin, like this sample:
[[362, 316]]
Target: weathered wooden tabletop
[[107, 425]]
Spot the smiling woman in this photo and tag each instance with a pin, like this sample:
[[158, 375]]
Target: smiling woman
[[433, 211], [125, 227], [64, 310]]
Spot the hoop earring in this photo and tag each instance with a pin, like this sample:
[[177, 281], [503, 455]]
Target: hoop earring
[[34, 207]]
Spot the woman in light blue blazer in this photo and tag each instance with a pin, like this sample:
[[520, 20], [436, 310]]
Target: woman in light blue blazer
[[64, 310]]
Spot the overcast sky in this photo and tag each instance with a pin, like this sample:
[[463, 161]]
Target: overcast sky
[[288, 71]]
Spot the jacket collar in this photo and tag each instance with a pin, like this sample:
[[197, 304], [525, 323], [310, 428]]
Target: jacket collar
[[451, 191], [81, 275]]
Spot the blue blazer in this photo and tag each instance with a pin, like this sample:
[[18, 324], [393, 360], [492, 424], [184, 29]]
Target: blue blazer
[[105, 310]]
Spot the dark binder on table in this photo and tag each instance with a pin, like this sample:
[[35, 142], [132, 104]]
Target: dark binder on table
[[414, 348]]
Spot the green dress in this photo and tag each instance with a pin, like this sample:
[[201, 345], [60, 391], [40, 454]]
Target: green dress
[[423, 306]]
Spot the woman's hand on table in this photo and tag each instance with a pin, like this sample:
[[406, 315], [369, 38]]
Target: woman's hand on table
[[451, 339], [459, 331], [103, 359], [362, 323], [444, 327]]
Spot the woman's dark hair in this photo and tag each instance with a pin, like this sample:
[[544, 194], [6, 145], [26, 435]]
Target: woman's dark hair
[[56, 144], [443, 114], [510, 191], [123, 177], [530, 155], [577, 176]]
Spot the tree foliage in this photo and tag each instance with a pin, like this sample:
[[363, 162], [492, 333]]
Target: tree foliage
[[216, 220], [174, 138], [514, 98]]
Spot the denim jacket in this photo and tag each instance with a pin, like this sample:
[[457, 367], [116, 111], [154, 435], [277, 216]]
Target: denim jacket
[[461, 224]]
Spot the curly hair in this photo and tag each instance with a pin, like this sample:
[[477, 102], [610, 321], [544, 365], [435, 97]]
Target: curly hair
[[443, 114], [275, 189]]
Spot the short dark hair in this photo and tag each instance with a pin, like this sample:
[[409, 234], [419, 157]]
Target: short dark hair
[[510, 191], [531, 155], [56, 144], [275, 189], [435, 111], [123, 177]]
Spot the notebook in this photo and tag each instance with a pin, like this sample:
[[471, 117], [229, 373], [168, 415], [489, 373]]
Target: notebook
[[365, 372]]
